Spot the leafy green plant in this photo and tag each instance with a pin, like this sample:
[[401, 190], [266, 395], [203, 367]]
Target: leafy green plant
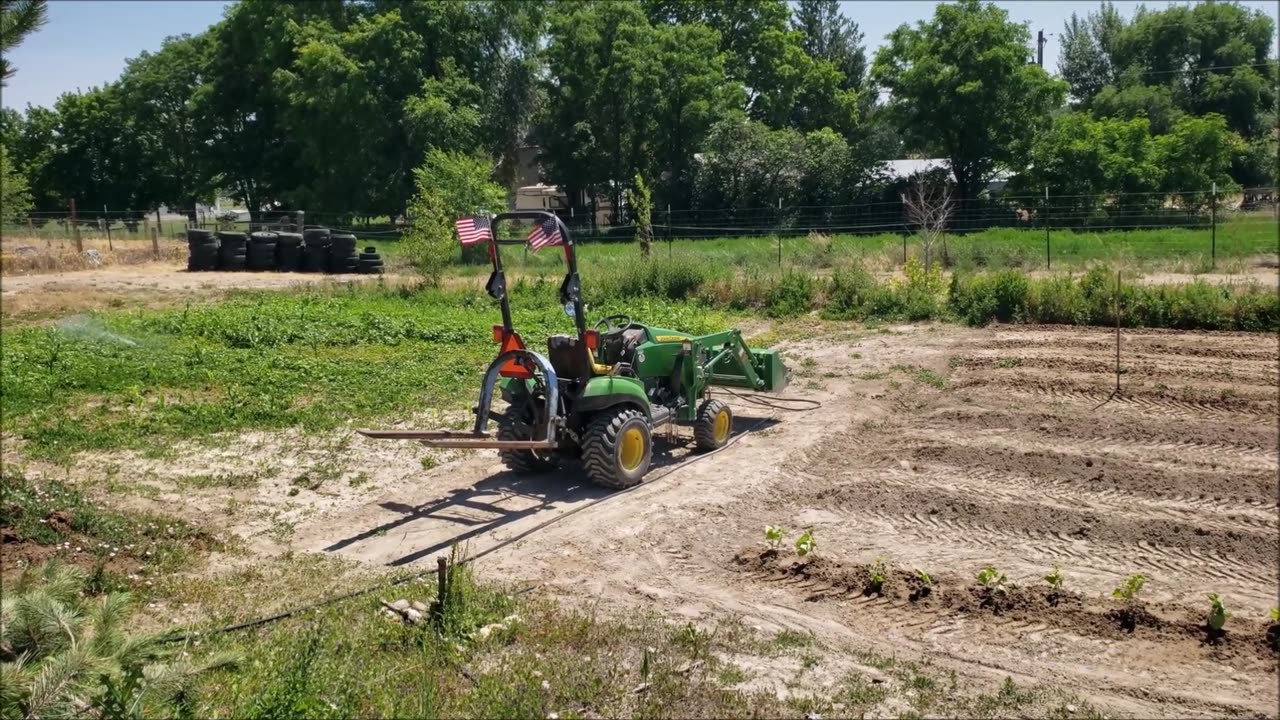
[[1054, 578], [805, 544], [1217, 612], [1274, 613], [1129, 591], [773, 535], [876, 574], [923, 577], [991, 579]]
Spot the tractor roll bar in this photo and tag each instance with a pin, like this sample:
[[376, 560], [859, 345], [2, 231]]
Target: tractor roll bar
[[570, 288], [491, 377]]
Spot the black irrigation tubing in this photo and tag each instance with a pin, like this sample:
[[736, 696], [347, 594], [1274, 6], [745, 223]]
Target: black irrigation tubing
[[663, 473]]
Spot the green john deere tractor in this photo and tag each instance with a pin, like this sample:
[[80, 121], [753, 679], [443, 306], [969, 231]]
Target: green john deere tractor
[[600, 395]]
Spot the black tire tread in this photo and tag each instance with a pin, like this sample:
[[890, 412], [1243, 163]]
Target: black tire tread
[[598, 442], [522, 462], [704, 426]]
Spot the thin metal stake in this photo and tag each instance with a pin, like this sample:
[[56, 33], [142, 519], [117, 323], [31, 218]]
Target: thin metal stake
[[1117, 390]]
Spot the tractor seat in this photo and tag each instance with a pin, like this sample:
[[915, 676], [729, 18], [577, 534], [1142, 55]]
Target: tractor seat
[[568, 357], [620, 344]]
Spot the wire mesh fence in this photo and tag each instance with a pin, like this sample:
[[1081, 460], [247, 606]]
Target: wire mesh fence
[[1045, 226]]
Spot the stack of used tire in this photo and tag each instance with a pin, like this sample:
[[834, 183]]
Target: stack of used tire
[[202, 251], [288, 251], [232, 250], [370, 263], [262, 251], [342, 253], [315, 256]]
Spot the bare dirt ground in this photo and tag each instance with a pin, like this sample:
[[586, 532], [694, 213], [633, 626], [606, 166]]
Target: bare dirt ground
[[939, 448]]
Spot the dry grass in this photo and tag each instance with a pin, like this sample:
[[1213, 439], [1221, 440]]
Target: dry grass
[[22, 255]]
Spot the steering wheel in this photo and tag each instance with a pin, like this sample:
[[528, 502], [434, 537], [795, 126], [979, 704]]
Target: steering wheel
[[612, 322]]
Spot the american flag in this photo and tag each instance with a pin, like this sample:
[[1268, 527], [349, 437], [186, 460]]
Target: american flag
[[544, 232], [473, 229]]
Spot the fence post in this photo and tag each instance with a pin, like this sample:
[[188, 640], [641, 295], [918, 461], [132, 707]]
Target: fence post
[[106, 223], [777, 229], [300, 220], [1048, 256], [158, 229], [75, 229], [155, 242], [668, 231], [1213, 232]]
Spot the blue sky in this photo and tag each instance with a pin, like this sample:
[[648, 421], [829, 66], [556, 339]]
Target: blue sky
[[87, 41]]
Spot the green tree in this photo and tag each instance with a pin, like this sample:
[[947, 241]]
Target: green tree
[[449, 185], [1083, 160], [748, 165], [641, 208], [1214, 57], [602, 81], [1088, 57], [96, 157], [32, 150], [826, 34], [1131, 99], [693, 95], [157, 91], [18, 19], [15, 195], [64, 653], [1196, 153], [961, 83]]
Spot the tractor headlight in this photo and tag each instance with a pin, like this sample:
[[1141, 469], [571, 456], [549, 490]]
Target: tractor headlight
[[686, 346]]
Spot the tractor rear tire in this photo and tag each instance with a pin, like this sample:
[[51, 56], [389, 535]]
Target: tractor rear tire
[[713, 426], [522, 462], [617, 447]]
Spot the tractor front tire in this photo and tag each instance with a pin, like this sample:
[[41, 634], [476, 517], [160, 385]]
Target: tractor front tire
[[617, 447], [713, 426], [522, 462]]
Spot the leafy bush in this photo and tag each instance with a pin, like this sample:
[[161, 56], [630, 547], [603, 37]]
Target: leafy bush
[[792, 295], [848, 293], [448, 185], [979, 299]]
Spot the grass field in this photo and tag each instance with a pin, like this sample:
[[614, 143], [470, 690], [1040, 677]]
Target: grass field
[[1185, 250], [322, 360]]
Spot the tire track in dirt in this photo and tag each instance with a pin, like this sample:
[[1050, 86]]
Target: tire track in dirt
[[1011, 488], [1169, 407], [1237, 373]]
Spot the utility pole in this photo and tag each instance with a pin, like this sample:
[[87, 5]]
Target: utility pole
[[1040, 48]]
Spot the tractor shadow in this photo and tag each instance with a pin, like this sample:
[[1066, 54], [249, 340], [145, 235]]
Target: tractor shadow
[[480, 507]]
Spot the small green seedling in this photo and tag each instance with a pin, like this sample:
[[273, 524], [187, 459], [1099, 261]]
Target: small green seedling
[[773, 535], [1275, 615], [923, 577], [875, 575], [1054, 578], [805, 544], [1217, 612], [1129, 591], [990, 578]]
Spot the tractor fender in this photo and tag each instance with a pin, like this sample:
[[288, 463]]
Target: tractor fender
[[606, 392]]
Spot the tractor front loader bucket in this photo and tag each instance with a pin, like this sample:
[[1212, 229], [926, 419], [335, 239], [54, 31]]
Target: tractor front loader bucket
[[478, 438]]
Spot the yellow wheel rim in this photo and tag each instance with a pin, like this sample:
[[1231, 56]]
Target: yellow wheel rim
[[721, 430], [631, 448]]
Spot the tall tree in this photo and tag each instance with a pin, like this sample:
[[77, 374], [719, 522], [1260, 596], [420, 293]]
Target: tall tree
[[602, 79], [693, 94], [158, 90], [18, 19], [1089, 47], [961, 82], [826, 34]]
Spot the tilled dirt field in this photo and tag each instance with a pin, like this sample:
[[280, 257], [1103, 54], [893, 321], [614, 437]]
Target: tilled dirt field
[[938, 448]]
